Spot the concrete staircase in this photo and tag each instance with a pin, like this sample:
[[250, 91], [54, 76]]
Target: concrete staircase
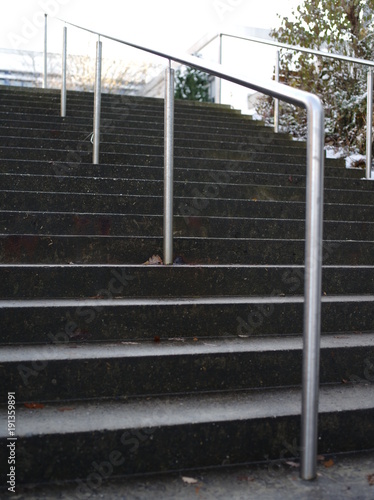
[[124, 368]]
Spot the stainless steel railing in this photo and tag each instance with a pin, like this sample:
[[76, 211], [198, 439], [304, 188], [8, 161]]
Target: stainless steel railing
[[319, 53], [314, 215]]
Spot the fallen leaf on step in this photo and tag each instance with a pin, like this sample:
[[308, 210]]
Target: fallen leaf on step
[[80, 335], [293, 464], [248, 479], [328, 463], [189, 480], [154, 260], [371, 479], [156, 338], [34, 406]]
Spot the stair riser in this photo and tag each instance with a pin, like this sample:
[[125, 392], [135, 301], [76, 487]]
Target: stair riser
[[116, 250], [60, 181], [143, 146], [198, 197], [51, 379], [209, 169], [111, 99], [198, 227], [153, 115], [91, 322], [167, 281], [219, 141], [148, 158], [184, 207], [95, 456], [141, 121], [114, 103], [56, 130]]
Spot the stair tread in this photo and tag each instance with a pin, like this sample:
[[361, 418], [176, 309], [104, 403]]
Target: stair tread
[[171, 301], [86, 417], [175, 347]]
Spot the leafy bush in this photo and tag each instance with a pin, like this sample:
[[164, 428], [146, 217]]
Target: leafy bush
[[342, 27], [191, 84]]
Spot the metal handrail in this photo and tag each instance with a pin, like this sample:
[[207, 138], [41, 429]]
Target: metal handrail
[[339, 57], [319, 53], [313, 222]]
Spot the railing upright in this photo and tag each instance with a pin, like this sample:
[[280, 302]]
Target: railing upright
[[168, 164], [97, 104], [276, 101], [312, 290], [369, 124], [45, 67], [63, 72], [218, 89]]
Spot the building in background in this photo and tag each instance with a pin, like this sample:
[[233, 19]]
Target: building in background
[[254, 60], [21, 68], [24, 68]]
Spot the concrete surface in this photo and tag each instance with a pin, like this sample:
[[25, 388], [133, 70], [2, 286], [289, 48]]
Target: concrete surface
[[339, 477]]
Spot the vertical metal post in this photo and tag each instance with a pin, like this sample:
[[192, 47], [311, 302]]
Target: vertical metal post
[[97, 104], [168, 164], [369, 123], [45, 70], [63, 73], [276, 101], [218, 96], [313, 289]]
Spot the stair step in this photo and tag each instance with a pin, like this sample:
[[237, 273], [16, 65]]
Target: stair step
[[193, 204], [146, 158], [91, 371], [151, 435], [349, 476], [189, 208], [155, 112], [190, 138], [112, 119], [221, 173], [152, 225], [112, 319], [32, 249], [69, 281], [222, 181], [216, 171], [144, 146]]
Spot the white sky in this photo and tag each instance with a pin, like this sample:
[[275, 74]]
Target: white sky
[[161, 23]]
